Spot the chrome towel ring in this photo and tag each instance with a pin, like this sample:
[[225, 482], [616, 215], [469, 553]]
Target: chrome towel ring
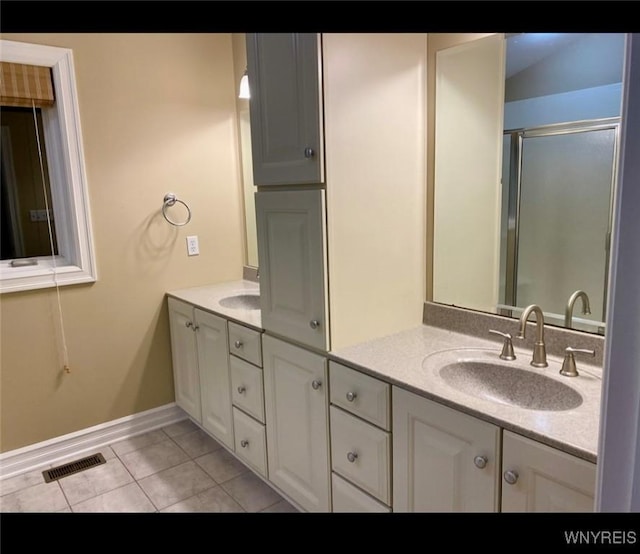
[[169, 200]]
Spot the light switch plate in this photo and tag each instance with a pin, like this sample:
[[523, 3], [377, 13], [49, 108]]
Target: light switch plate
[[192, 246]]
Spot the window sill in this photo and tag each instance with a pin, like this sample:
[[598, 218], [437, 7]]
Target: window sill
[[32, 278]]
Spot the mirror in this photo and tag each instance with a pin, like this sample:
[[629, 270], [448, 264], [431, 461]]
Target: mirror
[[525, 151], [244, 139]]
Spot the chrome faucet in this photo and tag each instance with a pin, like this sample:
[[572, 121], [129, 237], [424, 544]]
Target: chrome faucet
[[539, 350], [568, 313]]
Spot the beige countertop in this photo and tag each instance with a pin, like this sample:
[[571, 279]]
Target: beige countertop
[[208, 298], [400, 360], [408, 359]]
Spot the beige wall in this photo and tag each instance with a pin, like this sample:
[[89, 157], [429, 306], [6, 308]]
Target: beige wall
[[158, 116], [435, 42]]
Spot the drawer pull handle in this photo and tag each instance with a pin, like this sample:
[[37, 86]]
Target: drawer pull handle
[[314, 324], [244, 443], [511, 477], [351, 396], [315, 384], [238, 344], [242, 389], [352, 456], [480, 462]]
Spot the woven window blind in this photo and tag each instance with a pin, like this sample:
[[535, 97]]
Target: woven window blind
[[20, 84]]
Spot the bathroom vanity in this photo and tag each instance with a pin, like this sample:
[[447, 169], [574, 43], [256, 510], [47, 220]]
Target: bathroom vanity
[[387, 425]]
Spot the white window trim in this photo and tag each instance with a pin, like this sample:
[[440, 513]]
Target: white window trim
[[63, 139]]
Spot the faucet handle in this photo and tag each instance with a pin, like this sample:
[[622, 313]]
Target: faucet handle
[[507, 346], [569, 363]]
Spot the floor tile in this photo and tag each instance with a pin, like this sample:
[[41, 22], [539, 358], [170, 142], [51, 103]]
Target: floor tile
[[211, 500], [251, 492], [184, 426], [221, 465], [151, 459], [177, 483], [139, 441], [281, 507], [45, 497], [129, 498], [22, 481], [197, 443], [95, 481]]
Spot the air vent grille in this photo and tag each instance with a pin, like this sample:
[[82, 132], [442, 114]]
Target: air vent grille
[[76, 466]]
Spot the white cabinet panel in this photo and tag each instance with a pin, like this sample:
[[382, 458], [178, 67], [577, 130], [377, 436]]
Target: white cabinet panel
[[296, 406], [292, 265], [547, 480], [435, 451], [185, 358], [213, 365]]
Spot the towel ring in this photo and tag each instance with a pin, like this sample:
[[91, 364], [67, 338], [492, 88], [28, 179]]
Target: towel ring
[[169, 200]]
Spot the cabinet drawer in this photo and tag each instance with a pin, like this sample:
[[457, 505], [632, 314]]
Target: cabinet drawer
[[347, 498], [247, 390], [365, 396], [361, 452], [250, 440], [245, 343]]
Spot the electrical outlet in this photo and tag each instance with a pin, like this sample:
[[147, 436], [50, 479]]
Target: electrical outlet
[[192, 246]]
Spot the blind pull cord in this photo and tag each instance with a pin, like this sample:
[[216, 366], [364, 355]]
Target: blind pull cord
[[65, 351]]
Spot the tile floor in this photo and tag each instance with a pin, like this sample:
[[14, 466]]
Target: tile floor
[[178, 468]]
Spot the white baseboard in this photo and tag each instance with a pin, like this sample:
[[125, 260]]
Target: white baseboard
[[43, 454]]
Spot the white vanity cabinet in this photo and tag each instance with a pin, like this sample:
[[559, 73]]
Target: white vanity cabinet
[[538, 478], [296, 409], [201, 368], [360, 441], [184, 353], [292, 251], [284, 72], [443, 460]]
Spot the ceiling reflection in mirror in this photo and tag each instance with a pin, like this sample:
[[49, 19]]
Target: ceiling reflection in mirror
[[526, 138]]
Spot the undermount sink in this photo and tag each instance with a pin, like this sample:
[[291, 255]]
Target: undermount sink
[[503, 383], [241, 302]]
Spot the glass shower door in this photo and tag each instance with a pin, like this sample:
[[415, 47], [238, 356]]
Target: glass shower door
[[564, 220]]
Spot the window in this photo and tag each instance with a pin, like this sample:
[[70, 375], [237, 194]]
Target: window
[[27, 261]]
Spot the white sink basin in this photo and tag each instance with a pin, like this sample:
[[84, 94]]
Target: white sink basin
[[241, 302], [483, 375]]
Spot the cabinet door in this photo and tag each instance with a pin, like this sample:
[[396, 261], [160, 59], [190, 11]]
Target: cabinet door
[[184, 357], [215, 381], [286, 137], [296, 406], [546, 479], [435, 452], [292, 265]]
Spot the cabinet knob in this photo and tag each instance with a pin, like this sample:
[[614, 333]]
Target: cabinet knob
[[314, 324], [480, 461], [351, 396], [352, 456], [244, 443], [238, 344], [315, 384], [189, 324], [308, 152], [242, 389], [196, 327], [511, 477]]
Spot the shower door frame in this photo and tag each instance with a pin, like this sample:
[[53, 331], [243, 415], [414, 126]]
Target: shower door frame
[[515, 185]]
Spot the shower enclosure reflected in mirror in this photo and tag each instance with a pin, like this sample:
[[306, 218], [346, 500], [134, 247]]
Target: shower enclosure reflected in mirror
[[526, 132]]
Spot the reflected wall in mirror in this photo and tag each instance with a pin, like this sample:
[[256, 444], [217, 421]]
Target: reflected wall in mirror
[[526, 133], [244, 146]]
